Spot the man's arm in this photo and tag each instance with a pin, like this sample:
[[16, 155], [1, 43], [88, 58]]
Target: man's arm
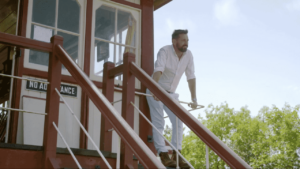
[[192, 86], [156, 77]]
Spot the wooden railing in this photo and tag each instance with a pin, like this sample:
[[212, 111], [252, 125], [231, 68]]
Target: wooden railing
[[211, 140], [131, 143], [130, 70], [59, 56]]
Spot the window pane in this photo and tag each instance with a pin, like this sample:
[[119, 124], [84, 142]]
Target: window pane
[[103, 53], [44, 12], [126, 28], [41, 34], [70, 45], [105, 23], [37, 57], [68, 15]]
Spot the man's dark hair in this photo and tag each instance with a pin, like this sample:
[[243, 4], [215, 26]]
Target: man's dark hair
[[177, 32]]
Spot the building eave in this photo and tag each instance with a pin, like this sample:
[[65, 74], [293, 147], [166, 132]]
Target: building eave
[[160, 3]]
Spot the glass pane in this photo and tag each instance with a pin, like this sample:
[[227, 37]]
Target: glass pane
[[103, 52], [41, 34], [37, 57], [44, 12], [126, 28], [70, 45], [105, 23], [68, 15]]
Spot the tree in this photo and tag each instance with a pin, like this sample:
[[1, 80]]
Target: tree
[[268, 140]]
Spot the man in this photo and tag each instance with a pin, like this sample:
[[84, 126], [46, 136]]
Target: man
[[172, 61]]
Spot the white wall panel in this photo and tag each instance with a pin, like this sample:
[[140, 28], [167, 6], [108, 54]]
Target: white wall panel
[[31, 126]]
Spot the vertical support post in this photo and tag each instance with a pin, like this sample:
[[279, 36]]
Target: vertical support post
[[52, 103], [84, 119], [147, 64], [127, 108], [17, 85], [108, 92]]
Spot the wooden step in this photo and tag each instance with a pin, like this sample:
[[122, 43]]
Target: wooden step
[[29, 156]]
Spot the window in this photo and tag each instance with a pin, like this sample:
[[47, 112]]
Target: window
[[115, 32], [55, 17]]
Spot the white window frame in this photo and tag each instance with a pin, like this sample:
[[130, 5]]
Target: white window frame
[[81, 36], [136, 13]]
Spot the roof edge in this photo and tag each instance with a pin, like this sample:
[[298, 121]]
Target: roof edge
[[159, 3]]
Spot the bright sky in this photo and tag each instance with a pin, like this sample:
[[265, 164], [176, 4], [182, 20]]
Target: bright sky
[[246, 52]]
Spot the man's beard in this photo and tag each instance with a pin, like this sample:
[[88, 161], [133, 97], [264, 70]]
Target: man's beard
[[182, 49]]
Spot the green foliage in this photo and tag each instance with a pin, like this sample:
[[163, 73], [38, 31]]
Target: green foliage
[[268, 140]]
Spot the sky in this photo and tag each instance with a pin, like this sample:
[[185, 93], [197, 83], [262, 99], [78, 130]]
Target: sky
[[246, 52]]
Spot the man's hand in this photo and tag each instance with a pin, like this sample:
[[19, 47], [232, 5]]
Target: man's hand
[[192, 87], [193, 105]]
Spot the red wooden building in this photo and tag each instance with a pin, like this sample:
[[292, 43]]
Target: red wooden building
[[90, 33]]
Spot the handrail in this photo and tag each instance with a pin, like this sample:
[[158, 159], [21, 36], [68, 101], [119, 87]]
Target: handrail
[[20, 110], [221, 149], [22, 42], [133, 141], [141, 113], [61, 136], [145, 94], [22, 78], [84, 130]]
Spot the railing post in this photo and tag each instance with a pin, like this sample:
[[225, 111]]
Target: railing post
[[126, 160], [52, 104], [108, 92]]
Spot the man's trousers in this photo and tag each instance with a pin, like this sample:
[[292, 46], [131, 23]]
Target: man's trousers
[[157, 118]]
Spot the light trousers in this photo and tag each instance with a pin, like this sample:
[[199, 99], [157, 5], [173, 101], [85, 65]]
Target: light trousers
[[157, 117]]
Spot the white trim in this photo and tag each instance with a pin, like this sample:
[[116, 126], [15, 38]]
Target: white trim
[[57, 29], [116, 43]]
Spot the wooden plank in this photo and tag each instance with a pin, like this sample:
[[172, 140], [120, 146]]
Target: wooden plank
[[52, 104], [23, 42], [147, 64], [17, 83], [86, 68], [108, 92], [116, 71], [127, 108]]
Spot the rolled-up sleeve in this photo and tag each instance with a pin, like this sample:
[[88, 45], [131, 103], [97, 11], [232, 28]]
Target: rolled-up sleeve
[[190, 69], [160, 63]]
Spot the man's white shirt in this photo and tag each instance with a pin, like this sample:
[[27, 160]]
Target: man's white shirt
[[172, 68]]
